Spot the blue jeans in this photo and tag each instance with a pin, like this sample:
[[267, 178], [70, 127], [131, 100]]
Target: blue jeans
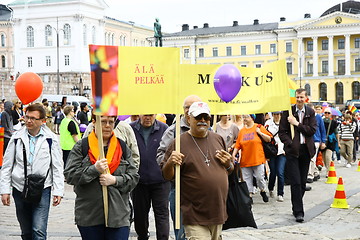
[[179, 233], [100, 232], [277, 167], [33, 218]]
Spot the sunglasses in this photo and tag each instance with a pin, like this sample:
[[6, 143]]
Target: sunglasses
[[202, 116], [327, 112]]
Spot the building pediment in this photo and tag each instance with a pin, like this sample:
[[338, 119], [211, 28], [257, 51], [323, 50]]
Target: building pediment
[[335, 19]]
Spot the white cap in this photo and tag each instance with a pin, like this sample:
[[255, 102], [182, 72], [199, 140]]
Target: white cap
[[198, 108]]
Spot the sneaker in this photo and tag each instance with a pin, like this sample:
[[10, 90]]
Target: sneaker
[[317, 177], [348, 165], [264, 196], [309, 180], [280, 198], [339, 161], [319, 167], [271, 194]]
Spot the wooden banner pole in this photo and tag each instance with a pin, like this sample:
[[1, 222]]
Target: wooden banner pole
[[177, 174], [99, 135]]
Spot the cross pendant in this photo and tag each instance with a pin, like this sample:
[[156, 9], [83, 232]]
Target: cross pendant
[[207, 161]]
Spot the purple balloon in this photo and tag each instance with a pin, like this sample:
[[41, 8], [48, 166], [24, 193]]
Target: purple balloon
[[227, 82], [123, 117]]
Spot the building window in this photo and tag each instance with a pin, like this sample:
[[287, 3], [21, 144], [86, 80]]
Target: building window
[[67, 60], [357, 42], [341, 67], [243, 50], [325, 44], [355, 90], [288, 47], [357, 65], [324, 66], [309, 68], [84, 35], [308, 89], [93, 33], [113, 40], [201, 52], [243, 65], [310, 45], [3, 61], [215, 52], [289, 68], [257, 49], [3, 40], [30, 36], [258, 65], [339, 89], [323, 91], [186, 53], [341, 43], [30, 62], [67, 34], [228, 51], [48, 35], [48, 61], [272, 48]]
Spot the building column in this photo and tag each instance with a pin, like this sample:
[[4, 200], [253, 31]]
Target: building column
[[331, 55], [347, 55], [315, 57], [193, 54], [300, 59]]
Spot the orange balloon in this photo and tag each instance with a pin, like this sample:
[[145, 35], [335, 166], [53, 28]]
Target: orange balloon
[[28, 87]]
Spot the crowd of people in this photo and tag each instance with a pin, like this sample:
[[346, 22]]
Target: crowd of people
[[137, 163]]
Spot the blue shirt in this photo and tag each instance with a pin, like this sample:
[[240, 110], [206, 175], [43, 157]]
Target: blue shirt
[[320, 134], [32, 143]]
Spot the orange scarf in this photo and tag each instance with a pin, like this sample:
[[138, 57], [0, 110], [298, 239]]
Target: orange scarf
[[113, 154]]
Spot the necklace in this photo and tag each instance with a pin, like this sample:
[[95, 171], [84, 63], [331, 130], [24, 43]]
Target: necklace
[[207, 160]]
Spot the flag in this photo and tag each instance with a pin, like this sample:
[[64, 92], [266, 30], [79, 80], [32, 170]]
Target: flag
[[353, 109], [292, 90]]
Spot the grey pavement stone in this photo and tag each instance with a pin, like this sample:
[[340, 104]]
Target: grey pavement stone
[[274, 219]]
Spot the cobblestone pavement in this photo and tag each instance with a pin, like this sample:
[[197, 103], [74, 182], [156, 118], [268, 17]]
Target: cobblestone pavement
[[274, 218]]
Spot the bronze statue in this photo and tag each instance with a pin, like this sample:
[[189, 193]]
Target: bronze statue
[[157, 32]]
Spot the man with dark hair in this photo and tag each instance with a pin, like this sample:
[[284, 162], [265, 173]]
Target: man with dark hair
[[41, 160], [299, 149], [83, 116]]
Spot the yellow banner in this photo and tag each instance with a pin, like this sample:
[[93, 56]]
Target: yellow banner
[[263, 89], [147, 80], [151, 80]]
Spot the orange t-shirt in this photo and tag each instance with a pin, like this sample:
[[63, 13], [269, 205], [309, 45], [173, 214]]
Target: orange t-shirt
[[249, 142]]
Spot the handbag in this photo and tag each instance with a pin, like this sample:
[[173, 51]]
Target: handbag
[[270, 148], [238, 203], [33, 183]]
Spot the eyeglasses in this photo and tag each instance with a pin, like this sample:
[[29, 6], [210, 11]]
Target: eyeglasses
[[32, 119], [105, 122], [202, 116], [327, 112]]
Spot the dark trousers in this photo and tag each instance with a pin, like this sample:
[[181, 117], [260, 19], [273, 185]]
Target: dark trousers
[[157, 195], [298, 169], [65, 156], [101, 232]]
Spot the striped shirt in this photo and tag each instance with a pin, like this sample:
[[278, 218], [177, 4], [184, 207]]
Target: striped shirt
[[346, 131]]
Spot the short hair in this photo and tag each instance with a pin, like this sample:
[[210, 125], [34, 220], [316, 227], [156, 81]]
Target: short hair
[[300, 90], [37, 107], [348, 116], [311, 105], [83, 105], [68, 109], [93, 117], [318, 106], [44, 100]]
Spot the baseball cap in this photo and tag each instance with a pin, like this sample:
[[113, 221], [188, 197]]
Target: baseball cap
[[278, 112], [198, 108]]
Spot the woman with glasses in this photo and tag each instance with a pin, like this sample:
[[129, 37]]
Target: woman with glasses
[[17, 115], [252, 156], [88, 173], [69, 132], [332, 137]]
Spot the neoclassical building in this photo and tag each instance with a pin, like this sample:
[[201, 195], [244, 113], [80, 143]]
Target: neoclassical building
[[322, 54], [51, 38]]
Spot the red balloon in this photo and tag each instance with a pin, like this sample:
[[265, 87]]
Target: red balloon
[[28, 87]]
